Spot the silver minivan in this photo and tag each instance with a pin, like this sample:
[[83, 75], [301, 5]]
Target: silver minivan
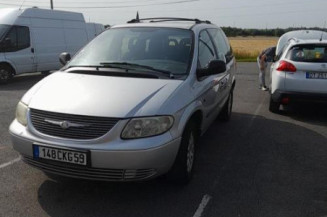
[[131, 104]]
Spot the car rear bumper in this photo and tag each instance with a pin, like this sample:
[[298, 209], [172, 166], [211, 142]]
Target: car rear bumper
[[294, 96]]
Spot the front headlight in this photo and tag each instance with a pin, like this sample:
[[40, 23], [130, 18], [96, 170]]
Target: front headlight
[[148, 126], [21, 113]]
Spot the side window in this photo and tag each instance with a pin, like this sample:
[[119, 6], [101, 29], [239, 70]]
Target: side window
[[23, 37], [219, 42], [11, 39], [206, 50], [18, 38], [222, 44]]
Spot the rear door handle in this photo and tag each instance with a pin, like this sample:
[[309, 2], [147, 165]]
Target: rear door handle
[[32, 50]]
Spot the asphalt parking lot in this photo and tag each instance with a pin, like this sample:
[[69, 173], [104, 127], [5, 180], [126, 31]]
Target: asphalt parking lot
[[259, 164]]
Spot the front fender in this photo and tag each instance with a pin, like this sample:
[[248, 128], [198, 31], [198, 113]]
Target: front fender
[[183, 116]]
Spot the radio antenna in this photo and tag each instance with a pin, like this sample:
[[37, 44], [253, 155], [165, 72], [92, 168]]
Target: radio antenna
[[22, 4], [323, 31]]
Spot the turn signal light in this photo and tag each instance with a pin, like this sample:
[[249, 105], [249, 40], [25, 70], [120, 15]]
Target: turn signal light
[[286, 66]]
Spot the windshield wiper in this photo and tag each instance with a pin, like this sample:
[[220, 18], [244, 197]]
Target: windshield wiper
[[133, 65], [96, 66], [114, 73]]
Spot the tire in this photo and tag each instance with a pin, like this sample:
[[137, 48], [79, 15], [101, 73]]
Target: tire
[[226, 112], [6, 73], [182, 170], [273, 106]]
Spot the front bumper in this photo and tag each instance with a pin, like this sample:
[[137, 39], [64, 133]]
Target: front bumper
[[108, 163], [295, 96]]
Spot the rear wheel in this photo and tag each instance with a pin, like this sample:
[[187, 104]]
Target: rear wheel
[[6, 74], [182, 170], [226, 112], [273, 106]]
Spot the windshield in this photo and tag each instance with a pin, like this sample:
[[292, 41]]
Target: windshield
[[308, 53], [3, 30], [165, 49]]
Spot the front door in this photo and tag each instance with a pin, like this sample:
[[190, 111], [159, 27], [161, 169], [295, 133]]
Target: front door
[[212, 94], [18, 50]]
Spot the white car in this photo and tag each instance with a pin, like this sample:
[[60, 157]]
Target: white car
[[131, 104], [299, 72]]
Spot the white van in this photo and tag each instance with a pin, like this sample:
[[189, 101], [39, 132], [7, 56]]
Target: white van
[[93, 29], [32, 39]]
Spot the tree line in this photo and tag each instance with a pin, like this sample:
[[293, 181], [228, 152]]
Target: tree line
[[232, 31]]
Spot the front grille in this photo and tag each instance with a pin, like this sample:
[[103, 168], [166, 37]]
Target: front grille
[[90, 173], [86, 127]]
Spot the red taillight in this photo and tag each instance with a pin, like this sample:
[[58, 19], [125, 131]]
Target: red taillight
[[286, 66], [285, 100]]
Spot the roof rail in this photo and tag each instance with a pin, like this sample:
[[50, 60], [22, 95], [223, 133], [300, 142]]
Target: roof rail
[[165, 19]]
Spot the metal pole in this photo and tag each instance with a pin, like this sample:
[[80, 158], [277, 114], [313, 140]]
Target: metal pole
[[51, 4]]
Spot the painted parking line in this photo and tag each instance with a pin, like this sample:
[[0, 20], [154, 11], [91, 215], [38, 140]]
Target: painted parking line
[[10, 163], [205, 200]]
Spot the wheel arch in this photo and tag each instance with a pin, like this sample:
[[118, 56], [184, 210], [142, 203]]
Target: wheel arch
[[11, 66], [197, 118], [234, 84]]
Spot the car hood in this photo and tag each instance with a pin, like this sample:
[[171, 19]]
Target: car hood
[[104, 96]]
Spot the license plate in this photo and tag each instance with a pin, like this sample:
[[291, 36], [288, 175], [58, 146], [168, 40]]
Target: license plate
[[316, 75], [58, 154]]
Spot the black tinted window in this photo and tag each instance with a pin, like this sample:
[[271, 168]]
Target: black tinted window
[[23, 37], [308, 53], [206, 50], [18, 38], [11, 38], [3, 30]]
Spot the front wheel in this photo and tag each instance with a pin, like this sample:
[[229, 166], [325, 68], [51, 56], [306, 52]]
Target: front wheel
[[182, 170], [5, 74]]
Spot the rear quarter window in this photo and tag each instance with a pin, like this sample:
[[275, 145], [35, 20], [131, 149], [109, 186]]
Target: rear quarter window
[[308, 53]]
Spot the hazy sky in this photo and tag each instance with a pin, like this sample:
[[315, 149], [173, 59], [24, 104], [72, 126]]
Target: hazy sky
[[235, 13]]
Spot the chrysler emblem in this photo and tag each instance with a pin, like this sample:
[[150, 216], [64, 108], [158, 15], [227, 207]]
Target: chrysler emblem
[[65, 124]]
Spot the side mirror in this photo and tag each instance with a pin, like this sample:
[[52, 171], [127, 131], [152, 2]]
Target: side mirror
[[214, 67], [64, 58]]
